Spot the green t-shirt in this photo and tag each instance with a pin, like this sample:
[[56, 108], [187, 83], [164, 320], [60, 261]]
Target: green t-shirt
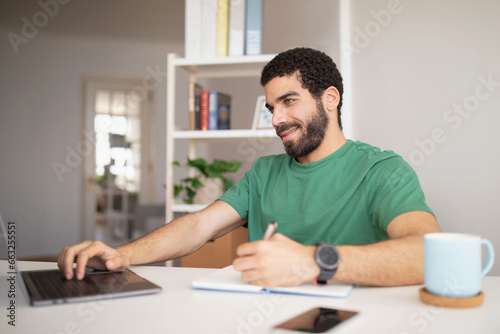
[[349, 197]]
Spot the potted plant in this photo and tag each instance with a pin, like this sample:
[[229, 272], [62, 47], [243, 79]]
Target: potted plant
[[206, 175]]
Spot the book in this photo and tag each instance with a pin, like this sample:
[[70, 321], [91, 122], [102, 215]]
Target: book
[[253, 28], [219, 109], [197, 106], [223, 111], [208, 28], [193, 28], [228, 279], [222, 27], [194, 91], [236, 38], [204, 99], [212, 110]]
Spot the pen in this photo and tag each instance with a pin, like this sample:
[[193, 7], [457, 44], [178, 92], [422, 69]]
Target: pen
[[270, 230]]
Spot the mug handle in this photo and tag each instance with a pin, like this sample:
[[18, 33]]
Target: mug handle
[[490, 254]]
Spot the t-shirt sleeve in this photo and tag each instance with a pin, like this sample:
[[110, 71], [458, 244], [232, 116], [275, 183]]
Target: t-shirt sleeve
[[395, 190], [238, 196]]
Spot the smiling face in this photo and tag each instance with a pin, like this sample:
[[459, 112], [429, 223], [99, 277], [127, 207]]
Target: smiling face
[[298, 118]]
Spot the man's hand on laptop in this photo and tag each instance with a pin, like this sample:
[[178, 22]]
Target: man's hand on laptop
[[96, 255]]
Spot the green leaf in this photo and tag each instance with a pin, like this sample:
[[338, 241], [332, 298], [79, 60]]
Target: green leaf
[[176, 163], [195, 183], [218, 164], [234, 166], [213, 171], [200, 164], [226, 166], [190, 192], [178, 189]]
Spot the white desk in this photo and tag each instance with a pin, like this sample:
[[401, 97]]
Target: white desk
[[180, 309]]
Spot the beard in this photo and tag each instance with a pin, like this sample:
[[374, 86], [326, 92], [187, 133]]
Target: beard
[[313, 134]]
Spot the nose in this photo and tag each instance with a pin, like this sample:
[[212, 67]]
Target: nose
[[279, 117]]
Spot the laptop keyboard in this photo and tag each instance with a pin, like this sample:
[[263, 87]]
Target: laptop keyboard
[[52, 284]]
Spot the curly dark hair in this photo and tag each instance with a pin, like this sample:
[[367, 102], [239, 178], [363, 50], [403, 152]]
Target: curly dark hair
[[315, 70]]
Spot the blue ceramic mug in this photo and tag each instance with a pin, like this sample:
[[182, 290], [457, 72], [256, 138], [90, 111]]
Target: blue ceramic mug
[[453, 263]]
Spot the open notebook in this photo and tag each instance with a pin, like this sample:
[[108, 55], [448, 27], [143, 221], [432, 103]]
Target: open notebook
[[228, 279]]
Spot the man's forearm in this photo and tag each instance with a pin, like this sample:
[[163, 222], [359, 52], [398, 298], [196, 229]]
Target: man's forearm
[[183, 235], [176, 239], [180, 237], [387, 263]]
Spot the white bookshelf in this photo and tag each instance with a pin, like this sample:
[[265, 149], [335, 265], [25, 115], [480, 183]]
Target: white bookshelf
[[188, 208], [223, 67], [224, 134]]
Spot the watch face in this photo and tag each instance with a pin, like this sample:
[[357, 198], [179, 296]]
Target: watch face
[[328, 256]]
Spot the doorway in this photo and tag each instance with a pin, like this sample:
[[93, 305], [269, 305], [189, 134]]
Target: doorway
[[119, 174]]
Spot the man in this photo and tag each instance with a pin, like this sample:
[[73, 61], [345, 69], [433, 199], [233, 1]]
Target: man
[[346, 211]]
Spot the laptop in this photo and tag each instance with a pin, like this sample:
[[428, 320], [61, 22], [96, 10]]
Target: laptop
[[47, 287]]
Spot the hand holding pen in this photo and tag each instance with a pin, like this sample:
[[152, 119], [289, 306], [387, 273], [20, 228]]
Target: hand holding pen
[[274, 263]]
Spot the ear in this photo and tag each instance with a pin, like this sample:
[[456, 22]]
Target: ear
[[331, 99]]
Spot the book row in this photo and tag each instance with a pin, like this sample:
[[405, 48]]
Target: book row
[[208, 110], [219, 28]]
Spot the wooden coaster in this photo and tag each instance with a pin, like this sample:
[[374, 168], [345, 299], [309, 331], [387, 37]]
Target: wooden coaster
[[442, 301]]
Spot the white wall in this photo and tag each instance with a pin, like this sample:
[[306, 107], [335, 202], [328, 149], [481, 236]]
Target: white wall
[[41, 115], [408, 76]]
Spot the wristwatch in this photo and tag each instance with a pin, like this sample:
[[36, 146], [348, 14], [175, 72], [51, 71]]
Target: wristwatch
[[327, 257]]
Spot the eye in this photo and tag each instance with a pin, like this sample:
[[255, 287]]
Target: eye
[[289, 101], [270, 109]]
